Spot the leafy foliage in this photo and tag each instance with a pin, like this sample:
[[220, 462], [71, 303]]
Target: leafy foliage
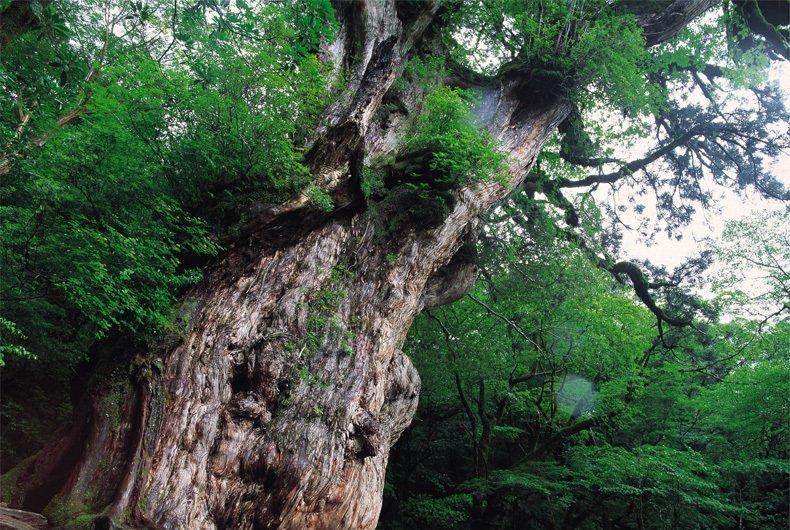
[[119, 171], [564, 45], [459, 151], [549, 402], [136, 136], [755, 251], [443, 150]]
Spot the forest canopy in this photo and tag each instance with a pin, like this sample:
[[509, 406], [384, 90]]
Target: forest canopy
[[156, 151]]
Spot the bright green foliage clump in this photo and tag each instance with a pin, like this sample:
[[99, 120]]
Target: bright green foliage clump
[[613, 75], [566, 46], [459, 151], [92, 235], [371, 181], [443, 150], [126, 155], [448, 513]]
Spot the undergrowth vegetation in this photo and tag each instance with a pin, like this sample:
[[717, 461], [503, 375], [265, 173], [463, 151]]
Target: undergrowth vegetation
[[548, 401]]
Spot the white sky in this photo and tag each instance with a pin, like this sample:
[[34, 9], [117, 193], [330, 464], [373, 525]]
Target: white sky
[[705, 224]]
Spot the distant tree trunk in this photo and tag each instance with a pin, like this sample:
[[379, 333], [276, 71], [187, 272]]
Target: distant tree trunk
[[248, 419]]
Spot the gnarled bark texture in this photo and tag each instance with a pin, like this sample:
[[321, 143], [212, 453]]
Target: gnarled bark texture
[[277, 403]]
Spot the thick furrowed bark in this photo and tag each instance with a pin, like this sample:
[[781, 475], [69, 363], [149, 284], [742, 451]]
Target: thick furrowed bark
[[250, 422], [252, 428], [278, 448], [282, 436]]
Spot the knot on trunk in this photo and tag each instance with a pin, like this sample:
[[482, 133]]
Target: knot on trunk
[[251, 406], [400, 398], [452, 281], [365, 434]]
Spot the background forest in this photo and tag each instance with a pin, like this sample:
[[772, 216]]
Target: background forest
[[571, 387], [548, 400]]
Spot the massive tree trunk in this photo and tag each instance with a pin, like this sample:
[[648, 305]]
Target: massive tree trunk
[[276, 404]]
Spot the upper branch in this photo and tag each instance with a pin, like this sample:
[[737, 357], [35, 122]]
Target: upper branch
[[642, 289], [636, 165], [640, 282], [661, 26]]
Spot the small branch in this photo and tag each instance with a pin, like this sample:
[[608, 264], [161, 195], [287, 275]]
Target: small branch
[[173, 30], [506, 320], [632, 167], [640, 283], [513, 381]]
